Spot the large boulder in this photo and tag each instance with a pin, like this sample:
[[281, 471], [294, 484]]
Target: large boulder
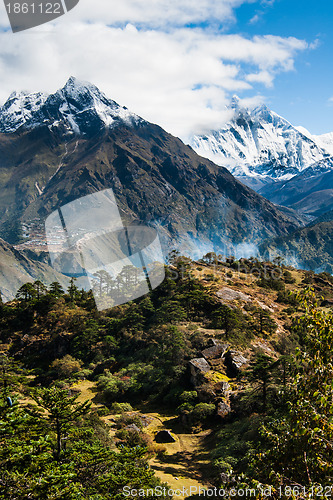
[[198, 368], [164, 437], [223, 409], [228, 295], [216, 351], [235, 362], [199, 364]]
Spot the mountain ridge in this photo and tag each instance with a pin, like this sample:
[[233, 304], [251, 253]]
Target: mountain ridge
[[258, 146], [80, 105], [156, 178], [309, 192], [16, 268]]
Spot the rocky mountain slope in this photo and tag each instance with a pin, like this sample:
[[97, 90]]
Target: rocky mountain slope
[[258, 146], [307, 248], [310, 192], [77, 141], [17, 269], [324, 141]]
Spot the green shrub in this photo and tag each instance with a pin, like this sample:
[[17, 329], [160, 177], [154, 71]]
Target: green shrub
[[202, 411], [188, 396], [271, 283], [121, 407], [126, 420], [288, 278], [285, 297], [66, 366]]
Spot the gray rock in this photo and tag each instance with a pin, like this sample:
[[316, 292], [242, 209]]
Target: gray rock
[[198, 367], [223, 409], [227, 294], [133, 428], [235, 361], [164, 437], [215, 352]]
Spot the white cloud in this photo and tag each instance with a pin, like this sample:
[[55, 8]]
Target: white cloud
[[263, 77], [178, 77], [255, 19], [148, 13], [156, 13]]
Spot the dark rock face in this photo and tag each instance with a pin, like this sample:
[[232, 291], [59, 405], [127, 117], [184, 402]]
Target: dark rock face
[[164, 437], [235, 362]]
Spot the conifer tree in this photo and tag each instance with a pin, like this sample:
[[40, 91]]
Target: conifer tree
[[59, 411]]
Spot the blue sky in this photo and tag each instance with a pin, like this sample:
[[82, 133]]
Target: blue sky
[[301, 96], [177, 63]]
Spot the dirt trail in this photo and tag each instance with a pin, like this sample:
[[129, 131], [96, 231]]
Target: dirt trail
[[184, 464]]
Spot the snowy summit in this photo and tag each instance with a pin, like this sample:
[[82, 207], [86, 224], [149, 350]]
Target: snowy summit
[[259, 146], [79, 106]]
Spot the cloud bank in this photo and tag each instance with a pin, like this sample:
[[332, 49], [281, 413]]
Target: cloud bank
[[147, 57]]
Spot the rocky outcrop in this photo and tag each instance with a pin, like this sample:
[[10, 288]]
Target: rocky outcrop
[[215, 351], [164, 437], [228, 295], [235, 362], [198, 367], [223, 409]]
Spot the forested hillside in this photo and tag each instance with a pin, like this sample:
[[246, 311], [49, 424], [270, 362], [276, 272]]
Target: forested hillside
[[234, 354]]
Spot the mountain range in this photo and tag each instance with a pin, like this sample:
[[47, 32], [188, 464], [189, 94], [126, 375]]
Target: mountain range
[[310, 192], [57, 148], [260, 147]]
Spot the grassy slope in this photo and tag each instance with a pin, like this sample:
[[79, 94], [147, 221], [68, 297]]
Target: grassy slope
[[187, 459]]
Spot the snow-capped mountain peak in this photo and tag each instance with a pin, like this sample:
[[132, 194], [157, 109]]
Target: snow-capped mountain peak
[[19, 109], [259, 146], [325, 141], [79, 107]]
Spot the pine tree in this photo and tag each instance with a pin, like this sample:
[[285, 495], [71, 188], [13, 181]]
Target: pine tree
[[40, 288], [260, 372], [299, 444], [56, 290], [61, 410], [72, 289], [26, 292]]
